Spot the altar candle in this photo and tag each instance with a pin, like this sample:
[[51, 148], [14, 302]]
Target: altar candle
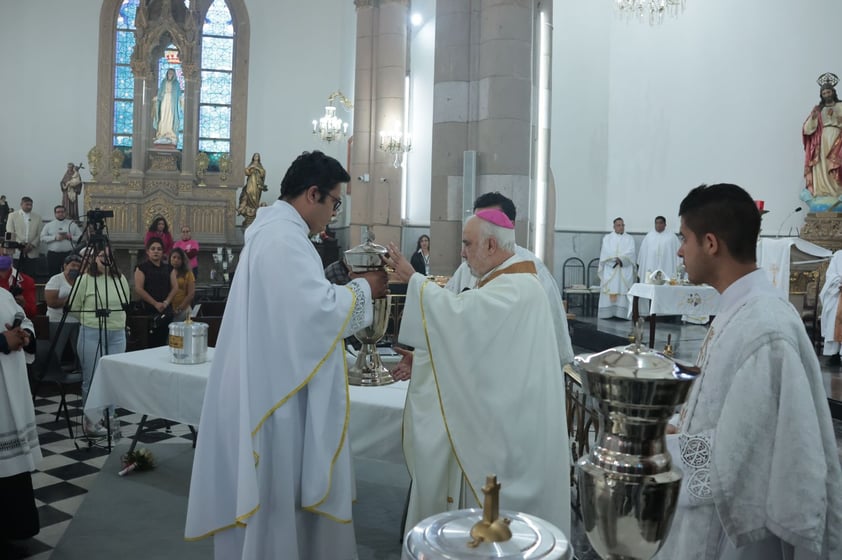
[[759, 204]]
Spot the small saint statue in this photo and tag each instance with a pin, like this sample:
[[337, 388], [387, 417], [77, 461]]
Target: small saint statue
[[71, 187]]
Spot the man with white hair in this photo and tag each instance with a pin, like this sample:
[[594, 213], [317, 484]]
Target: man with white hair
[[463, 278], [481, 356]]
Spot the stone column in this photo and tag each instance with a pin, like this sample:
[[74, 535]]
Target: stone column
[[190, 143], [483, 101], [378, 104]]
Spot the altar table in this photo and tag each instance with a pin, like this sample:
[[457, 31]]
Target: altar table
[[666, 299], [147, 383]]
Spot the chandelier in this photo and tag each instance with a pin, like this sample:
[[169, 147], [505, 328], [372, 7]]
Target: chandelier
[[396, 143], [655, 9], [329, 127]]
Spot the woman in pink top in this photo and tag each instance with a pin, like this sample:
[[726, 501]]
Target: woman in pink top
[[191, 248], [160, 229]]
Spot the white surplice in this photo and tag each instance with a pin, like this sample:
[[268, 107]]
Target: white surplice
[[462, 280], [615, 281], [658, 251], [829, 297], [486, 397], [19, 448], [762, 479], [272, 474]]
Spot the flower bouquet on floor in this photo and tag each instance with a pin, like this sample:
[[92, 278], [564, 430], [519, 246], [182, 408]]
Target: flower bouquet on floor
[[138, 460]]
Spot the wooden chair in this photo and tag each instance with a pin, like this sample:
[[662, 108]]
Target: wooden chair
[[573, 283]]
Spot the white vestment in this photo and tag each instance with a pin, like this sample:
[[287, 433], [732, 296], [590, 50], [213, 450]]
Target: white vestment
[[462, 279], [829, 297], [486, 397], [615, 281], [659, 251], [19, 449], [768, 485], [272, 474]]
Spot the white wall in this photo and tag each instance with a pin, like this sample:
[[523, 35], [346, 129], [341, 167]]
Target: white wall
[[717, 95], [300, 53]]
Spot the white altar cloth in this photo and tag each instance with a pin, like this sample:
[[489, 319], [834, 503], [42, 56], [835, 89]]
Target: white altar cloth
[[676, 300], [146, 382]]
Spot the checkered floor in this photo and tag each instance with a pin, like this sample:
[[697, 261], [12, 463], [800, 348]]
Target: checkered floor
[[67, 472]]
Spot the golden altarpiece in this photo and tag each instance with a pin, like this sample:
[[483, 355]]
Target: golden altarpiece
[[147, 179]]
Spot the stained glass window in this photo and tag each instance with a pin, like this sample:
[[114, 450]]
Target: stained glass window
[[216, 75], [215, 86], [123, 78]]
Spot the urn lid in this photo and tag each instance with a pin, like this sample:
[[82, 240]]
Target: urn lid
[[365, 257], [445, 536], [633, 361]]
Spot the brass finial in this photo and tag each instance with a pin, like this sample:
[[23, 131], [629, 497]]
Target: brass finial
[[668, 348], [491, 528]]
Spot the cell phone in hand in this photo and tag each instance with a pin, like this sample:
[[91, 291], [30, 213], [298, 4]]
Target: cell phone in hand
[[16, 323]]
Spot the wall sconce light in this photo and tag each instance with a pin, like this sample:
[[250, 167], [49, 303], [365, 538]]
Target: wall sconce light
[[396, 143]]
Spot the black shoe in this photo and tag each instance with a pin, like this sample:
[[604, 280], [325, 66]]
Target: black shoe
[[835, 360]]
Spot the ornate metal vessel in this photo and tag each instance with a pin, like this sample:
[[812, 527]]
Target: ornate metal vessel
[[485, 534], [368, 370], [628, 486], [188, 342]]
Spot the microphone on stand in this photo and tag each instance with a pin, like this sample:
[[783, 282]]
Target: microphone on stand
[[791, 214]]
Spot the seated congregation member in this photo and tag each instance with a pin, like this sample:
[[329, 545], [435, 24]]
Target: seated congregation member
[[464, 279], [185, 285], [159, 228], [56, 293], [754, 440], [20, 285], [155, 286], [482, 357], [20, 452], [99, 304]]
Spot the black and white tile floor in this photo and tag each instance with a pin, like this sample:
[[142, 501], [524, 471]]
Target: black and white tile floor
[[67, 472]]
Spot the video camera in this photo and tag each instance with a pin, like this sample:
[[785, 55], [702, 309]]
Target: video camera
[[9, 242], [97, 217]]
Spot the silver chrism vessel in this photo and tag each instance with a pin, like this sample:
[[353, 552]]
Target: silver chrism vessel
[[369, 369], [628, 486]]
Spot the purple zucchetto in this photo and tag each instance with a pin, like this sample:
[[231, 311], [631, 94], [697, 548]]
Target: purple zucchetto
[[5, 262], [496, 217]]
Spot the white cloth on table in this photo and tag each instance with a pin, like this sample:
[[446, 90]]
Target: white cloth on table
[[658, 251], [480, 357], [829, 296], [462, 279], [19, 448], [272, 476], [774, 477]]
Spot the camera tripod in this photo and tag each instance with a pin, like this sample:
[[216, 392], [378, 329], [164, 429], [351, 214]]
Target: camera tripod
[[98, 297]]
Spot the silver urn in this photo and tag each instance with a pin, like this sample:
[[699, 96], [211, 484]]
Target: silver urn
[[188, 342], [628, 486], [368, 370]]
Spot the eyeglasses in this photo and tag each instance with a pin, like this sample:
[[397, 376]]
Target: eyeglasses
[[337, 202]]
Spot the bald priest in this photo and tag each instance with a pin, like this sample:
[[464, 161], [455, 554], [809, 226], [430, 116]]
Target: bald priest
[[487, 392]]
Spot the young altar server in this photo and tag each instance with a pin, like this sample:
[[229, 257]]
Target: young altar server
[[762, 479]]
